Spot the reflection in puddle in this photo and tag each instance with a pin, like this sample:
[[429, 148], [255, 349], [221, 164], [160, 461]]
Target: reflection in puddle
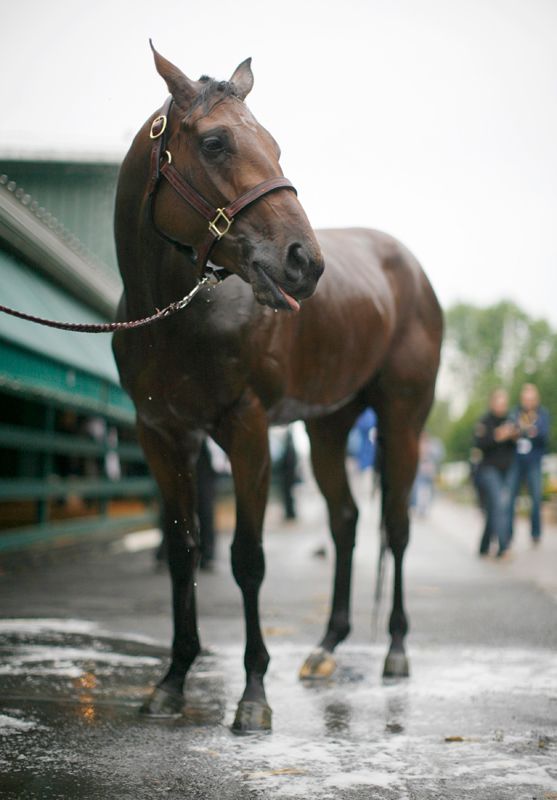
[[85, 686], [88, 713], [352, 733], [337, 718], [396, 711]]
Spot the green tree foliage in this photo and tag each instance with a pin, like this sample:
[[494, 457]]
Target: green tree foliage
[[499, 345]]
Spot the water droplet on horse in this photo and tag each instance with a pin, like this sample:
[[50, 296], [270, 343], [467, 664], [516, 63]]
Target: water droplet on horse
[[149, 397]]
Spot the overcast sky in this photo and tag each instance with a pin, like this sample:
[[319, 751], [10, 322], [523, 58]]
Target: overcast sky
[[434, 120]]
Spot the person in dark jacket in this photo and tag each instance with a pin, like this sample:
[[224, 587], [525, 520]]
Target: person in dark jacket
[[532, 421], [495, 437], [287, 468]]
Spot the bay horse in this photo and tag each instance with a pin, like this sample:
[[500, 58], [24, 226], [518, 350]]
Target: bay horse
[[264, 347]]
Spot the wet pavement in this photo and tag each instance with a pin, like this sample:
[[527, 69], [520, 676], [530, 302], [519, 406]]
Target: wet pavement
[[84, 634]]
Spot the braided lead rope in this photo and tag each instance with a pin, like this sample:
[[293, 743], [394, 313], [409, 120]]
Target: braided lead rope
[[109, 327]]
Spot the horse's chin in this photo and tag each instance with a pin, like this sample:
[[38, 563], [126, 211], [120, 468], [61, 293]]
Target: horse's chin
[[276, 303], [269, 293]]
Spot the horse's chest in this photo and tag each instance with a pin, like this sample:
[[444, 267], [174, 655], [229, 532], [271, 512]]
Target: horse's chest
[[190, 386]]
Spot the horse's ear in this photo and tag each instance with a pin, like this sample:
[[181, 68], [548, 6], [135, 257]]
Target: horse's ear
[[243, 78], [179, 85]]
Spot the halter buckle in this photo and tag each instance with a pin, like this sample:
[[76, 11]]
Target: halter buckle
[[160, 120], [217, 232]]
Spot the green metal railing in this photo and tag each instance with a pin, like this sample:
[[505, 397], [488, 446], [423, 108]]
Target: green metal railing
[[46, 443]]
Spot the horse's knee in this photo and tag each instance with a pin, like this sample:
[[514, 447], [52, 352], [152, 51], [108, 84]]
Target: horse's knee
[[397, 526], [182, 550], [343, 525], [248, 564]]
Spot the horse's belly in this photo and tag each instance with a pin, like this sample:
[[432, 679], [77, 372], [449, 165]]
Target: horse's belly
[[290, 409]]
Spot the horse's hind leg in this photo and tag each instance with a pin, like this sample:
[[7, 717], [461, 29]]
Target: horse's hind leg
[[328, 453], [174, 471], [401, 419]]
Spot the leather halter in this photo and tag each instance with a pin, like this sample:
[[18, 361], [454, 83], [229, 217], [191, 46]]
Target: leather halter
[[219, 219]]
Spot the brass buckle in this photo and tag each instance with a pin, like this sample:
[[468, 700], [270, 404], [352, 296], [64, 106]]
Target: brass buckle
[[158, 121], [213, 224]]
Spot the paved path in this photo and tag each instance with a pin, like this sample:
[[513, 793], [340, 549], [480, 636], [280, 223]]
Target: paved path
[[83, 636]]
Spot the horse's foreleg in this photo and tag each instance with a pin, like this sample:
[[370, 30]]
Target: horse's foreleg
[[244, 436], [328, 453], [174, 471]]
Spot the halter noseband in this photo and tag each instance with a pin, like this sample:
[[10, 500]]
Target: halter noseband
[[219, 219]]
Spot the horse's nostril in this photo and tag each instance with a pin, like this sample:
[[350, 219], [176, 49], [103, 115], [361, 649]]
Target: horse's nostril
[[302, 265], [296, 262], [297, 256]]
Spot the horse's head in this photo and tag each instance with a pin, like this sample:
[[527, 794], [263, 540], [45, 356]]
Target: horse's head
[[221, 150]]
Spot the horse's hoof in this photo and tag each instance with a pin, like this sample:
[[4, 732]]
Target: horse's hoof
[[163, 704], [252, 717], [318, 665], [396, 665]]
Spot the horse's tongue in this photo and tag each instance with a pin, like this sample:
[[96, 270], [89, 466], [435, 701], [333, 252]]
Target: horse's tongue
[[292, 302]]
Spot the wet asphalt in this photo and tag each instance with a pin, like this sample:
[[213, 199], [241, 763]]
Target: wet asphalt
[[84, 633]]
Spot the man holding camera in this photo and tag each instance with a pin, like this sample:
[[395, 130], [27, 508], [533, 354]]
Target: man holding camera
[[532, 434]]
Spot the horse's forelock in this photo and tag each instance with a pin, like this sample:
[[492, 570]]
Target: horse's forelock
[[212, 92]]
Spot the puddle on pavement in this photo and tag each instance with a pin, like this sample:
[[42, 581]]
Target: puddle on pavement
[[468, 723]]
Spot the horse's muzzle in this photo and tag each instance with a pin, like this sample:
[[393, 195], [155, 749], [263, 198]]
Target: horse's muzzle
[[283, 288]]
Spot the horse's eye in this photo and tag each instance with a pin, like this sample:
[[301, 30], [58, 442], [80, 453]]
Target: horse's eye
[[212, 145]]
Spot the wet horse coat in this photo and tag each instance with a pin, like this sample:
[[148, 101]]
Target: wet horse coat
[[239, 359]]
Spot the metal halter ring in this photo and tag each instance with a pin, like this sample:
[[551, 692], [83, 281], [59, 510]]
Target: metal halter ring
[[213, 224], [160, 120]]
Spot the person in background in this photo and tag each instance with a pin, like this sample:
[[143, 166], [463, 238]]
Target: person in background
[[366, 428], [430, 457], [287, 468], [532, 422], [495, 438]]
